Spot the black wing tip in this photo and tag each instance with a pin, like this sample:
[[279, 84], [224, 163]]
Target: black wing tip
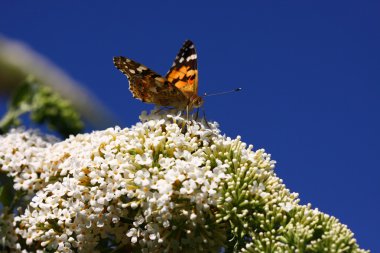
[[188, 43], [117, 58]]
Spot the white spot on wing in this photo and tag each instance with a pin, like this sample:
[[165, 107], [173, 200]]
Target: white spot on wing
[[191, 57], [181, 60], [141, 68], [132, 71]]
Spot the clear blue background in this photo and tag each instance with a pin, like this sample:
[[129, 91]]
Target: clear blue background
[[309, 69]]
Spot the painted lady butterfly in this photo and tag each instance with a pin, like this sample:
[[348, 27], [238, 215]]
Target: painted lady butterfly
[[178, 89]]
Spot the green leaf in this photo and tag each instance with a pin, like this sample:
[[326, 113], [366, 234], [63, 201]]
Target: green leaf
[[45, 107], [7, 192], [22, 96]]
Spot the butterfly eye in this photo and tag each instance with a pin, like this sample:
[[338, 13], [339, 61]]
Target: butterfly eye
[[196, 102]]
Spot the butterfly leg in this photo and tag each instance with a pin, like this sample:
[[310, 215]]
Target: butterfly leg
[[204, 117], [158, 109], [197, 114], [185, 121], [187, 113]]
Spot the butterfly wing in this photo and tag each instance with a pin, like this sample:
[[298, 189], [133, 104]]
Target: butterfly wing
[[148, 86], [184, 71]]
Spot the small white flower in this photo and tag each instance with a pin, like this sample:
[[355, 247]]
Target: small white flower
[[144, 160], [164, 186], [176, 118], [142, 178], [286, 206]]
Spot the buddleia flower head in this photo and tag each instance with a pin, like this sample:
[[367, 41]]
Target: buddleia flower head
[[166, 184]]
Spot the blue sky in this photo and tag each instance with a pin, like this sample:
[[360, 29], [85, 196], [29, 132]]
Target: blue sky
[[309, 72]]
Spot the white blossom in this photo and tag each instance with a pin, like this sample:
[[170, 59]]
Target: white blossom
[[164, 185]]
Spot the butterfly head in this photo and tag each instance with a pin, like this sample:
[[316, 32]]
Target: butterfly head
[[195, 101]]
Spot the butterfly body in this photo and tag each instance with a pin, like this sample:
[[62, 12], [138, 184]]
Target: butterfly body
[[177, 89]]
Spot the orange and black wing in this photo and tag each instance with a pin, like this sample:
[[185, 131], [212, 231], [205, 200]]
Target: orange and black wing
[[184, 71], [148, 86]]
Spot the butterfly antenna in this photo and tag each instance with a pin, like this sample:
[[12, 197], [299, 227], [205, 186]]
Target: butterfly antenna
[[221, 93]]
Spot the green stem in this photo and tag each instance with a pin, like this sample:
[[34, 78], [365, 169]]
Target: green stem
[[11, 118]]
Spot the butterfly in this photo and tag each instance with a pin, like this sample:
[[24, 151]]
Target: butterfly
[[178, 89]]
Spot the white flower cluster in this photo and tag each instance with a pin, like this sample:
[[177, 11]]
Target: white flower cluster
[[164, 185], [142, 185], [22, 156]]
